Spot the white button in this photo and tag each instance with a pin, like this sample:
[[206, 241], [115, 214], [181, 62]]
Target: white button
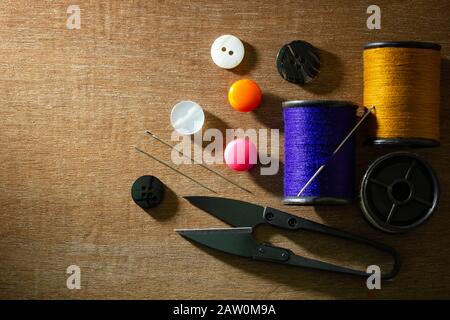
[[227, 51], [187, 117]]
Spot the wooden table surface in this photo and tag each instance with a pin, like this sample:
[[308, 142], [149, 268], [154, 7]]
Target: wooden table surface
[[73, 103]]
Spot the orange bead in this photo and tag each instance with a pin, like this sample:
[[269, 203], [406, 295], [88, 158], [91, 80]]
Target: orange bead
[[244, 95]]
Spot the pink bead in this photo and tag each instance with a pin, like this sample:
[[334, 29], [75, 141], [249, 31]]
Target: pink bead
[[241, 154]]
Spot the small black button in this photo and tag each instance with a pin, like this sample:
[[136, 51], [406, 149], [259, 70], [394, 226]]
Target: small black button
[[147, 192], [298, 62]]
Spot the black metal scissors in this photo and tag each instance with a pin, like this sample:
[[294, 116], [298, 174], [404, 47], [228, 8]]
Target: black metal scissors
[[245, 216]]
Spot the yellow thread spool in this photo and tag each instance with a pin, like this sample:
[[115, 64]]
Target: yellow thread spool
[[402, 81]]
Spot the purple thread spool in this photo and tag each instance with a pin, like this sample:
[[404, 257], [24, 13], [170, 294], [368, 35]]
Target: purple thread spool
[[313, 129]]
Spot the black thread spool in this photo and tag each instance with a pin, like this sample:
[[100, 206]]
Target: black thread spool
[[298, 62], [147, 192], [399, 191]]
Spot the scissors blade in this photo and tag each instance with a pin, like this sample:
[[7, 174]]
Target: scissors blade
[[237, 241], [234, 212]]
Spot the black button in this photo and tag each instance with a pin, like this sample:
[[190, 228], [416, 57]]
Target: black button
[[298, 62], [147, 191]]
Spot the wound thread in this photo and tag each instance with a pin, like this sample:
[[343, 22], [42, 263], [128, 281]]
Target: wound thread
[[402, 81], [313, 129]]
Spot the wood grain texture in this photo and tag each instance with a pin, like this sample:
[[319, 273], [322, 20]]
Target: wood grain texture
[[73, 103]]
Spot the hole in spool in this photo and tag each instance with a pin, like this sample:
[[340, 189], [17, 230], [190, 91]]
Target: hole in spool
[[401, 191]]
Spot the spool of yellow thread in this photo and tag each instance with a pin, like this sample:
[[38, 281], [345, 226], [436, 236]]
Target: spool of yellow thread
[[402, 81]]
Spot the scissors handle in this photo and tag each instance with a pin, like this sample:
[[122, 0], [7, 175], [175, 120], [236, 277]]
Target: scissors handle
[[288, 221], [268, 252]]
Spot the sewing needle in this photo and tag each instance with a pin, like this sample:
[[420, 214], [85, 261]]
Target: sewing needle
[[337, 149], [174, 169], [196, 162]]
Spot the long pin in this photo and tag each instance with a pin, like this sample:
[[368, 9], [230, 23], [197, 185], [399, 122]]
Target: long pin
[[196, 162], [337, 149], [174, 169]]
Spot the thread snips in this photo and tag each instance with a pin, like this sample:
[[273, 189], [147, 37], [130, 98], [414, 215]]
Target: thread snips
[[244, 217]]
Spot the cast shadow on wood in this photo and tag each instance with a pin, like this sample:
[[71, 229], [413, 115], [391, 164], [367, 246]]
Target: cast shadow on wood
[[270, 115], [212, 122], [445, 100], [270, 183], [249, 61], [167, 208], [270, 112]]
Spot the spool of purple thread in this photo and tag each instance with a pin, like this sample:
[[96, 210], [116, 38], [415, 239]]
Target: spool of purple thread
[[313, 129]]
